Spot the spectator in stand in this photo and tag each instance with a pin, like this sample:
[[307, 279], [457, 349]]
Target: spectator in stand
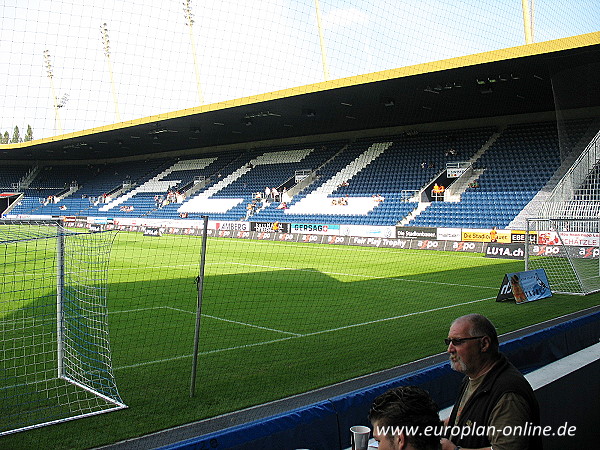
[[493, 396], [275, 194], [405, 418]]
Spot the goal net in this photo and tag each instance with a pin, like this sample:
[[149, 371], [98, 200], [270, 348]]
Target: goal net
[[54, 344], [568, 250]]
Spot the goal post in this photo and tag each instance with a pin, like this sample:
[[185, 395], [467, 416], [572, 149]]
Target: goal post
[[568, 250], [55, 348]]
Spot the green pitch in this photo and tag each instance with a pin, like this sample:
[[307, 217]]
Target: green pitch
[[278, 319]]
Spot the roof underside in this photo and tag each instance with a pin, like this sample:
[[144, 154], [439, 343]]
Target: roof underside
[[521, 80]]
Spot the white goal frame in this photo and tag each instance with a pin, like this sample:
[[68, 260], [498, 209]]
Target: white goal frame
[[55, 357], [568, 249]]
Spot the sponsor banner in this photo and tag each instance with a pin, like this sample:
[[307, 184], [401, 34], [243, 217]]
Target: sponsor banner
[[192, 231], [314, 228], [416, 232], [471, 247], [395, 243], [281, 227], [27, 216], [309, 238], [505, 251], [368, 231], [580, 239], [483, 235], [151, 231], [224, 233], [286, 237], [232, 226], [546, 250], [518, 236], [241, 234], [525, 286], [548, 238], [579, 252], [101, 220], [365, 241], [264, 235], [449, 234], [584, 252], [335, 240], [427, 244], [568, 238]]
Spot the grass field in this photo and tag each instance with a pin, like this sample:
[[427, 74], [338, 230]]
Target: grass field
[[278, 319]]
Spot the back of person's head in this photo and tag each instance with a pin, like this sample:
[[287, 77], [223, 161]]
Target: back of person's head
[[408, 406], [482, 326]]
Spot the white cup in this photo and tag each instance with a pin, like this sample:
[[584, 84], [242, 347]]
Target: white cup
[[359, 437]]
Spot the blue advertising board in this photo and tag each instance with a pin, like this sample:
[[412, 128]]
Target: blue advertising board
[[525, 286]]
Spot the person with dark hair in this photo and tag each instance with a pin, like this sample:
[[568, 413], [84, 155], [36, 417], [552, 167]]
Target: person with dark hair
[[496, 404], [406, 418]]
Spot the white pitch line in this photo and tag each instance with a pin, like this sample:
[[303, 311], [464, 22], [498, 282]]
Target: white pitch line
[[253, 326], [208, 352], [257, 344], [209, 316], [236, 322], [402, 316]]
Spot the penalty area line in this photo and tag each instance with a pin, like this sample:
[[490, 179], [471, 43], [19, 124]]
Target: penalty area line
[[402, 316], [172, 308], [235, 322], [298, 336]]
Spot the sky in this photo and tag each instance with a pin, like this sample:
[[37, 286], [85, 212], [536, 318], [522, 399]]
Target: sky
[[242, 48]]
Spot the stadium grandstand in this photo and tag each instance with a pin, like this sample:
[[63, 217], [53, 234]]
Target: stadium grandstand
[[233, 227]]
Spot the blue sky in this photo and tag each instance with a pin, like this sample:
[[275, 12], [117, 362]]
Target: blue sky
[[242, 48]]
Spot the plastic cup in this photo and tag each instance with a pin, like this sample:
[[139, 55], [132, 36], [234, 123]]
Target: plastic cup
[[359, 437]]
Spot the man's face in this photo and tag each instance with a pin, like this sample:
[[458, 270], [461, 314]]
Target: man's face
[[465, 357], [385, 442]]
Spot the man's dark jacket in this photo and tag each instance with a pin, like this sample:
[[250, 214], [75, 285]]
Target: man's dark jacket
[[502, 378]]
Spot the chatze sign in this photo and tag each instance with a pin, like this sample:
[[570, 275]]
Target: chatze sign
[[568, 238]]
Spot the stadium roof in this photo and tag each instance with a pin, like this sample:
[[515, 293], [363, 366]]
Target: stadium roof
[[518, 80]]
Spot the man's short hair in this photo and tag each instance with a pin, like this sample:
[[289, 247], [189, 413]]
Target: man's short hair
[[482, 326], [408, 406]]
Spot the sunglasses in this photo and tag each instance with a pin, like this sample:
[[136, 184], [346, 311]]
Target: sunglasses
[[458, 341]]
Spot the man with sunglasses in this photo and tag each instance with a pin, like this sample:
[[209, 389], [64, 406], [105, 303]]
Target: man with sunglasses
[[496, 407]]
